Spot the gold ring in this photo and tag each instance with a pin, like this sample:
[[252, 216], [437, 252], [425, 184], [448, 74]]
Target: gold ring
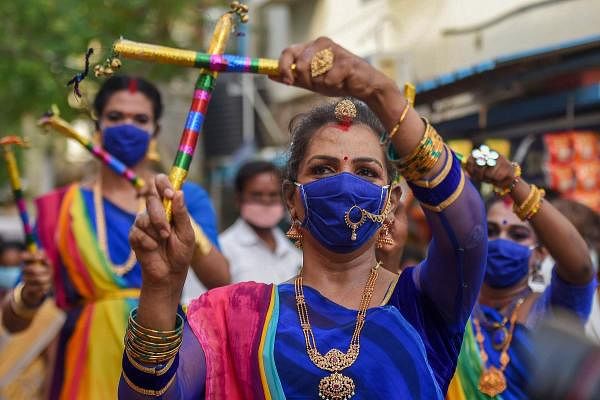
[[321, 62]]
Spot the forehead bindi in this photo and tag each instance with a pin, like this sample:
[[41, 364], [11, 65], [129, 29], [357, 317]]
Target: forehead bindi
[[358, 142], [129, 103], [502, 214]]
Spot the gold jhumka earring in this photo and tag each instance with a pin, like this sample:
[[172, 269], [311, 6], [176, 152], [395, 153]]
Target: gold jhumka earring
[[385, 237], [295, 234]]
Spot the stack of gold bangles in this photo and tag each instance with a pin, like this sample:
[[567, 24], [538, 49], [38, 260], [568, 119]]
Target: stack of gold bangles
[[424, 157], [442, 189], [532, 204], [151, 346], [151, 357]]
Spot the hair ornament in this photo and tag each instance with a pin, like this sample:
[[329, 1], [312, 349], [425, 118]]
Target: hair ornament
[[345, 111]]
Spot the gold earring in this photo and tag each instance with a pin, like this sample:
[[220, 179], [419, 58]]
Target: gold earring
[[152, 154], [295, 234], [385, 237]]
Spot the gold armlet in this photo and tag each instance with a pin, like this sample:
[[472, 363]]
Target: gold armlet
[[450, 199]]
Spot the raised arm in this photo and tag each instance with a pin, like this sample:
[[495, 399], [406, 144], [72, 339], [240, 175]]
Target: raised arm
[[572, 285], [162, 357], [453, 272]]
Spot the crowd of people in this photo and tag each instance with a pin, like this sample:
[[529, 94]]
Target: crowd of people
[[124, 303]]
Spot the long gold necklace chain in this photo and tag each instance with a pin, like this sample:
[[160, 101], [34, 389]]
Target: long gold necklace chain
[[492, 381], [335, 386], [118, 269]]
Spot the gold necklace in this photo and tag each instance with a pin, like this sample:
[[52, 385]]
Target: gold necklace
[[492, 381], [118, 269], [335, 386]]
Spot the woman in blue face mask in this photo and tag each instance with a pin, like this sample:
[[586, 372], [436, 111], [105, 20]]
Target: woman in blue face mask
[[522, 229], [344, 327], [84, 228]]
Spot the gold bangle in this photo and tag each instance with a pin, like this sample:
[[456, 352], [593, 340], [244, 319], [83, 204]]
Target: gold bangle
[[148, 370], [430, 184], [145, 345], [149, 353], [531, 206], [148, 392], [424, 157], [153, 337], [521, 209], [407, 159], [203, 245], [174, 332], [18, 307], [396, 127]]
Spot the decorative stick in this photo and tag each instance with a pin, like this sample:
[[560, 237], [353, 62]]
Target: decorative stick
[[15, 182], [189, 58], [51, 119], [202, 95]]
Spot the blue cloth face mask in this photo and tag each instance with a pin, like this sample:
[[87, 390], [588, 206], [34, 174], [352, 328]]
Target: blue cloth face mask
[[507, 263], [9, 274], [343, 211], [126, 142]]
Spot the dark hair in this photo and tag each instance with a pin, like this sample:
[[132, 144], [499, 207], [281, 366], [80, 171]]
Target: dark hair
[[11, 245], [251, 169], [303, 126], [123, 82]]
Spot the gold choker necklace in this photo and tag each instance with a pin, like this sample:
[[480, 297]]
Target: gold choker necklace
[[335, 386]]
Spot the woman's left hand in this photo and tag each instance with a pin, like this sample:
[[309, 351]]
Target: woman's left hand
[[349, 75], [501, 175]]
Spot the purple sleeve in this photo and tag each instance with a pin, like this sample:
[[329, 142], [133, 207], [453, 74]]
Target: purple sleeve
[[576, 299], [190, 374], [452, 273]]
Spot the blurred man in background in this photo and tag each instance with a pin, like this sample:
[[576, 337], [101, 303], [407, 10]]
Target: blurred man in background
[[256, 248]]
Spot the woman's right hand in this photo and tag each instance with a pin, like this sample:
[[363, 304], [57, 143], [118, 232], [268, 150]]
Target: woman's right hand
[[164, 250], [37, 278]]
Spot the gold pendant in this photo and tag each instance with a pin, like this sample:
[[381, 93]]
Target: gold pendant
[[336, 387], [492, 382]]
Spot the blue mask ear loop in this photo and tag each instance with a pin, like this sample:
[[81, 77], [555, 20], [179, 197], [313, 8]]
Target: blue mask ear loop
[[299, 185]]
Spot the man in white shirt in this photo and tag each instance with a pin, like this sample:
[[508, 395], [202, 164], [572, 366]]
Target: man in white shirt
[[256, 248]]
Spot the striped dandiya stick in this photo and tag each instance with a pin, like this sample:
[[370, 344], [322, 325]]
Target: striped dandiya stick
[[15, 182], [197, 113], [52, 120], [189, 58]]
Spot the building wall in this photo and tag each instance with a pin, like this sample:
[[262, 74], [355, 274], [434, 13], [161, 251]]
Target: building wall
[[408, 36]]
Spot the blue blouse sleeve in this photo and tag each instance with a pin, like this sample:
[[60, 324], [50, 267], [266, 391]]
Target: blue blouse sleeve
[[452, 273], [560, 294], [201, 209]]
